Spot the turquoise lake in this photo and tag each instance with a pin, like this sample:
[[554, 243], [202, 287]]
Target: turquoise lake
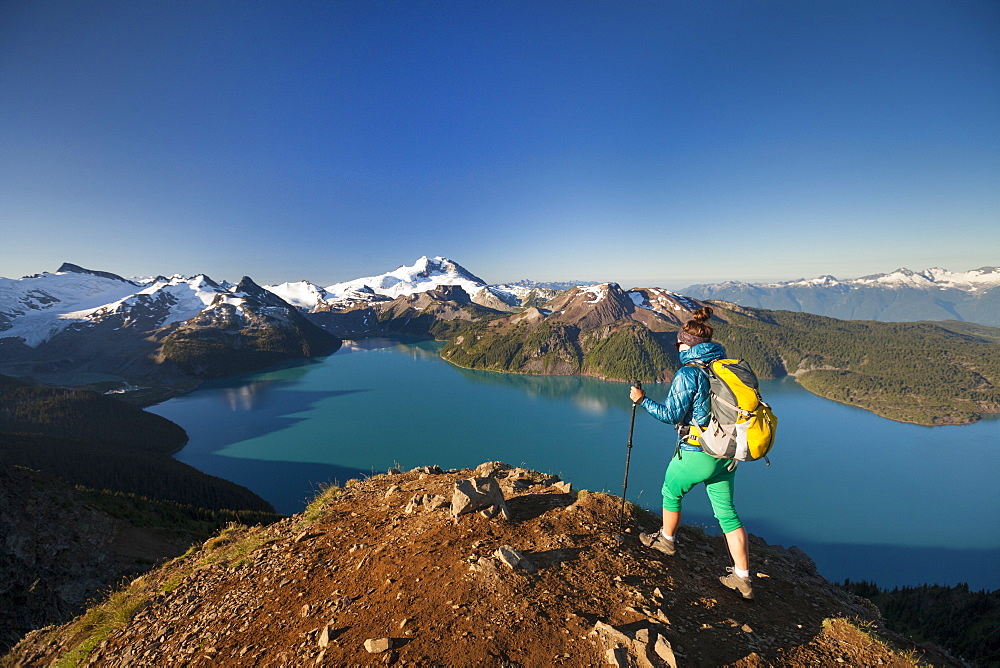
[[865, 497]]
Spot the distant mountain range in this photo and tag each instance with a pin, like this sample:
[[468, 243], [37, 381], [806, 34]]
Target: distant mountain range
[[901, 296], [79, 326], [82, 327]]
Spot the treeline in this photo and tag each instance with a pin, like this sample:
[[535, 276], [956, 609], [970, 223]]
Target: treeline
[[100, 442], [185, 518], [966, 623]]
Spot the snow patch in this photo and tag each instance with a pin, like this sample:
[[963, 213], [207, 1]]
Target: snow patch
[[44, 305]]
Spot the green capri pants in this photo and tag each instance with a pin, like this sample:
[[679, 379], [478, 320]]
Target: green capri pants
[[689, 469]]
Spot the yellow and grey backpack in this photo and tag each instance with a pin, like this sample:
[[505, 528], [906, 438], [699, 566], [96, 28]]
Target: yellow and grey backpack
[[742, 426]]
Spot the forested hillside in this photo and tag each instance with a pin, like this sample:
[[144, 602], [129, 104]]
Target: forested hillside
[[925, 373], [83, 415], [629, 352], [922, 373], [99, 442], [966, 623]]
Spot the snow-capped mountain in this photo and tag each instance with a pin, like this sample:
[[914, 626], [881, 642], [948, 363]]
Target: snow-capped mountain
[[675, 307], [425, 275], [76, 320], [311, 298], [36, 308], [975, 280], [899, 296], [605, 304]]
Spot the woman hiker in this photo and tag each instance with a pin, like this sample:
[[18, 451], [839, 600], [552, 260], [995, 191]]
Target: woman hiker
[[688, 404]]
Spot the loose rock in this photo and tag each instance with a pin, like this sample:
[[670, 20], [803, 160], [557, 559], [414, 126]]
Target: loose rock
[[378, 645], [512, 558]]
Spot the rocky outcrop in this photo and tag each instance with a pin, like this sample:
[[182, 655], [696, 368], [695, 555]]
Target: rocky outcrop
[[495, 299], [77, 269], [480, 493], [356, 579]]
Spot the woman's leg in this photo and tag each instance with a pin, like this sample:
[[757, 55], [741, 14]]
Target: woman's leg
[[721, 489], [678, 480], [671, 520], [739, 549], [682, 475]]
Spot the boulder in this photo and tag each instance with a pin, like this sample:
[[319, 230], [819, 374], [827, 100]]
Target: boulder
[[564, 487], [509, 556], [482, 494]]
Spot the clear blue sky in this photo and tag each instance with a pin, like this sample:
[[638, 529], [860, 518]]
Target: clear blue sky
[[545, 140]]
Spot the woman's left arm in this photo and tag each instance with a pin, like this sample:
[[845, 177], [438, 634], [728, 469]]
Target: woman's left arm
[[677, 407]]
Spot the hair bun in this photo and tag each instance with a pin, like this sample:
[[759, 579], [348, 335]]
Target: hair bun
[[702, 314]]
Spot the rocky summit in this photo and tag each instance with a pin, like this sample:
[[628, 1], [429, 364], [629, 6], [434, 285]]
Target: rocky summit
[[494, 566]]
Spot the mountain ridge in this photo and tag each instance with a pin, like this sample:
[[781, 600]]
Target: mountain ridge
[[899, 296], [599, 330]]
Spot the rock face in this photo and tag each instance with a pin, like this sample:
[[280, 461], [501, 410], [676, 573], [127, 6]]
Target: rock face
[[77, 269], [422, 314], [357, 580]]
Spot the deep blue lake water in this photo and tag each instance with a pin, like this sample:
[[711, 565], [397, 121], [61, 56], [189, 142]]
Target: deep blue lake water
[[865, 497]]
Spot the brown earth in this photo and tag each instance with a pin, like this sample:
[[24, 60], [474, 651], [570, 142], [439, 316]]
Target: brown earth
[[383, 562]]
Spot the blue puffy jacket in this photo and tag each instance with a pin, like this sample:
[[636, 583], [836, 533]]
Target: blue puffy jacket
[[688, 399]]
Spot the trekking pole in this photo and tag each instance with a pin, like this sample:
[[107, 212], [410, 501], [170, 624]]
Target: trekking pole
[[628, 458]]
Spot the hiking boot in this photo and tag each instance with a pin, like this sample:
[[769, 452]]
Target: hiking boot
[[658, 542], [736, 583]]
